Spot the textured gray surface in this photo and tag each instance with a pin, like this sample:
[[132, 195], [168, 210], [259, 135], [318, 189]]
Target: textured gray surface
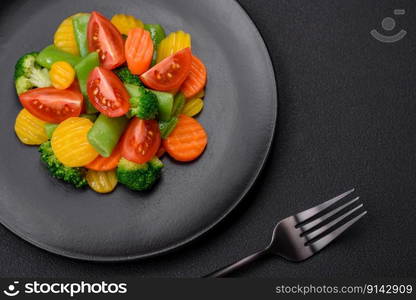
[[346, 118]]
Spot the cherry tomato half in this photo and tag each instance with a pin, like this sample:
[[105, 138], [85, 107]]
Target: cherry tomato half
[[141, 141], [105, 38], [107, 93], [52, 105], [170, 73]]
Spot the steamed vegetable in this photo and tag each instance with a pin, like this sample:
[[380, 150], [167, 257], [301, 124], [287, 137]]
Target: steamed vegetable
[[139, 50], [157, 33], [49, 129], [124, 74], [196, 79], [52, 54], [187, 141], [102, 182], [144, 104], [178, 104], [80, 24], [29, 129], [193, 107], [165, 103], [62, 74], [173, 43], [70, 144], [105, 133], [64, 38], [28, 74], [139, 177], [74, 176], [102, 163], [83, 69], [124, 23], [167, 127]]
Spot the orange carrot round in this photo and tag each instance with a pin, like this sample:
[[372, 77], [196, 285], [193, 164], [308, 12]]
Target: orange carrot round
[[196, 79], [187, 141], [102, 163], [139, 50]]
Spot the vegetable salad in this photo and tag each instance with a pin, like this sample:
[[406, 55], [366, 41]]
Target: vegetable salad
[[109, 98]]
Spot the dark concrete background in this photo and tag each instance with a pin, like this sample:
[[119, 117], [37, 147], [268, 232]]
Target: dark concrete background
[[347, 111]]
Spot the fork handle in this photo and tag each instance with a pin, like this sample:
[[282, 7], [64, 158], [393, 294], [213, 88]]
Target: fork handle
[[237, 265]]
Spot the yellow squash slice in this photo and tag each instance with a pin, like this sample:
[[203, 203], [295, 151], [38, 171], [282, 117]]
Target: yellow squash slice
[[193, 107], [173, 43], [102, 181], [62, 74], [125, 22], [29, 129]]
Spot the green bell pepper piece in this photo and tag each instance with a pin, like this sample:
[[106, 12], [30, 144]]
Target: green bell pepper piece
[[49, 129], [51, 54], [132, 89], [83, 69], [157, 33], [80, 24], [105, 133], [165, 102], [91, 117]]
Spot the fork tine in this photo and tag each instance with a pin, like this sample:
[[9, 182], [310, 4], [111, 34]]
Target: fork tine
[[326, 227], [324, 241], [326, 216], [309, 213]]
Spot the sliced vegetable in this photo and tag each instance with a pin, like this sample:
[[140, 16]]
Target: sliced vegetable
[[49, 129], [62, 74], [143, 104], [201, 94], [70, 144], [169, 74], [178, 104], [64, 37], [102, 182], [80, 24], [29, 129], [157, 34], [193, 107], [173, 43], [165, 103], [167, 127], [102, 163], [52, 105], [127, 77], [52, 54], [83, 69], [139, 50], [141, 141], [107, 93], [105, 38], [105, 133], [124, 23], [196, 80], [187, 141]]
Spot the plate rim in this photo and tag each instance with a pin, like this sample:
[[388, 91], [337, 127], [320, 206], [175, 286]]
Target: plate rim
[[189, 240]]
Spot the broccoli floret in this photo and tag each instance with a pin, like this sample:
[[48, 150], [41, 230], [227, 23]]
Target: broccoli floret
[[127, 77], [28, 74], [139, 177], [74, 176], [144, 105]]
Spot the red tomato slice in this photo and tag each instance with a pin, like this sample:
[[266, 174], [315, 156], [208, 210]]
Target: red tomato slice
[[139, 50], [141, 141], [170, 73], [107, 93], [105, 38], [52, 105]]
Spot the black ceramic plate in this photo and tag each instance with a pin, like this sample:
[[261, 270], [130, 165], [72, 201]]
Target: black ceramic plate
[[239, 116]]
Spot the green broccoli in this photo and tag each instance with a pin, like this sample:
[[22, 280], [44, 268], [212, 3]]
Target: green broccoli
[[144, 105], [127, 77], [74, 176], [139, 177], [28, 74]]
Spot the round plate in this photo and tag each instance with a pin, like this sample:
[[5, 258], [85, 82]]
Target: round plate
[[239, 116]]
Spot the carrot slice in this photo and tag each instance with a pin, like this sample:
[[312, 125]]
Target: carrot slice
[[187, 141], [106, 163], [139, 50], [196, 79]]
